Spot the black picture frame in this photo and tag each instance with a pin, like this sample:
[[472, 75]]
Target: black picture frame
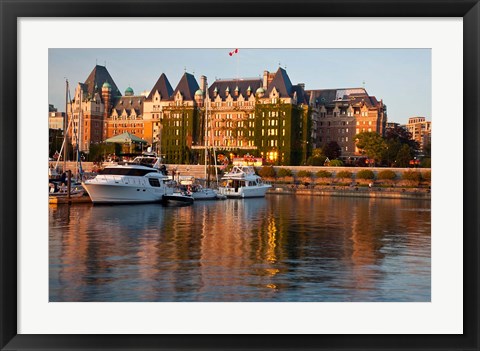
[[11, 10]]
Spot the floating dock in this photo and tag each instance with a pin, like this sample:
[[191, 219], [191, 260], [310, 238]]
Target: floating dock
[[57, 200]]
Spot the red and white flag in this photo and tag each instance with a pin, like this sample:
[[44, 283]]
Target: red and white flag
[[233, 52]]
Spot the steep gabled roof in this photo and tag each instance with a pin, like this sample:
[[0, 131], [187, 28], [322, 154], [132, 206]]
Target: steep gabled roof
[[350, 95], [243, 84], [128, 103], [282, 83], [302, 96], [95, 80], [163, 87], [187, 86]]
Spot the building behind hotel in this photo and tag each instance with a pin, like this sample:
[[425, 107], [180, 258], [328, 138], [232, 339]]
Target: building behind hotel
[[421, 130]]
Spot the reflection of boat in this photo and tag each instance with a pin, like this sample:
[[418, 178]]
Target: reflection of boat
[[242, 182], [142, 180]]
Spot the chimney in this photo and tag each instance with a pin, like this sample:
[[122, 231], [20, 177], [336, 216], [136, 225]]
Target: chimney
[[265, 79], [203, 83]]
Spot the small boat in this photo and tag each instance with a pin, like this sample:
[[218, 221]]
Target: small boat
[[55, 190], [141, 181], [242, 182], [200, 193], [178, 199]]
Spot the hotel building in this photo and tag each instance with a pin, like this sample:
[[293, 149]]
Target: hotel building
[[266, 117]]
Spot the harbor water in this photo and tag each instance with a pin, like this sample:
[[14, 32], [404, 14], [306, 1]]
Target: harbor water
[[279, 248]]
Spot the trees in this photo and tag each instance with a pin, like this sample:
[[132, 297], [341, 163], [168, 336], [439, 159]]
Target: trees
[[404, 155], [372, 145], [332, 150]]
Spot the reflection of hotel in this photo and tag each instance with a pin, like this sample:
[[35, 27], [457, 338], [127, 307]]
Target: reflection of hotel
[[267, 117]]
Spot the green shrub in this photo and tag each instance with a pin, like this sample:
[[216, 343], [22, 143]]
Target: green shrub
[[365, 174], [412, 175], [267, 172], [336, 163], [284, 172], [344, 174], [387, 175], [316, 160], [304, 173], [323, 174], [427, 176]]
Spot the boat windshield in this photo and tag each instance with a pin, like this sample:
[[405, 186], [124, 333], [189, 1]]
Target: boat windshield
[[145, 161], [126, 171]]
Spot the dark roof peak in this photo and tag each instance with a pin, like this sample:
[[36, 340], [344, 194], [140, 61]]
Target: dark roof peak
[[163, 86], [97, 78], [187, 86]]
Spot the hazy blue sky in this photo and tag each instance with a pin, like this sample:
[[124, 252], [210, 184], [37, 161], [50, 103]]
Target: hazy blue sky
[[401, 77]]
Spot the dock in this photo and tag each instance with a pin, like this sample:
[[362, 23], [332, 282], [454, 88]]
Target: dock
[[57, 200]]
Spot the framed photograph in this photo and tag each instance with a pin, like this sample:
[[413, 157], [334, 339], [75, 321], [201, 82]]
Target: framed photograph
[[386, 257]]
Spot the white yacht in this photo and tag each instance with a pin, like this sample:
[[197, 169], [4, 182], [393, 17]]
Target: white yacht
[[200, 193], [142, 180], [242, 182]]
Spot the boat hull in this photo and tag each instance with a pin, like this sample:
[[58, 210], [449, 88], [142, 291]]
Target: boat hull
[[178, 199], [121, 193], [205, 194], [245, 192]]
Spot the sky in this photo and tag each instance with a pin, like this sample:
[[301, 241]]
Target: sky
[[401, 77]]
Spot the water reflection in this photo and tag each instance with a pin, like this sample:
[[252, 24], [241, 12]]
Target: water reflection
[[281, 248]]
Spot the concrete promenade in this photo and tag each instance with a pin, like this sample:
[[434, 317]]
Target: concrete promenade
[[198, 170]]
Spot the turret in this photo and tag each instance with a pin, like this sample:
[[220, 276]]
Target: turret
[[107, 98]]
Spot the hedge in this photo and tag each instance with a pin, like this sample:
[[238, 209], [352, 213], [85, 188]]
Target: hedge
[[304, 173], [387, 175], [284, 172], [365, 174], [344, 174], [323, 174], [412, 175], [267, 172]]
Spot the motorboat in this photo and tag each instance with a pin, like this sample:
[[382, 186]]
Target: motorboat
[[242, 182], [178, 198], [141, 181], [200, 193]]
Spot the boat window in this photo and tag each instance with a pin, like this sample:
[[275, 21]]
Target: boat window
[[126, 171], [154, 182]]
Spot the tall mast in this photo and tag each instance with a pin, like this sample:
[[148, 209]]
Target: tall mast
[[206, 128], [65, 127]]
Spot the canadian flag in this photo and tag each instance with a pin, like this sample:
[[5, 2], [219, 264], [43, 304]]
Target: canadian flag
[[233, 52]]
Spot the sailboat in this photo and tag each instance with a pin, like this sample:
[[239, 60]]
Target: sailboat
[[199, 192], [58, 185]]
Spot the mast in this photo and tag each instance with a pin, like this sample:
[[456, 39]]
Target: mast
[[206, 130], [65, 128], [79, 135]]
